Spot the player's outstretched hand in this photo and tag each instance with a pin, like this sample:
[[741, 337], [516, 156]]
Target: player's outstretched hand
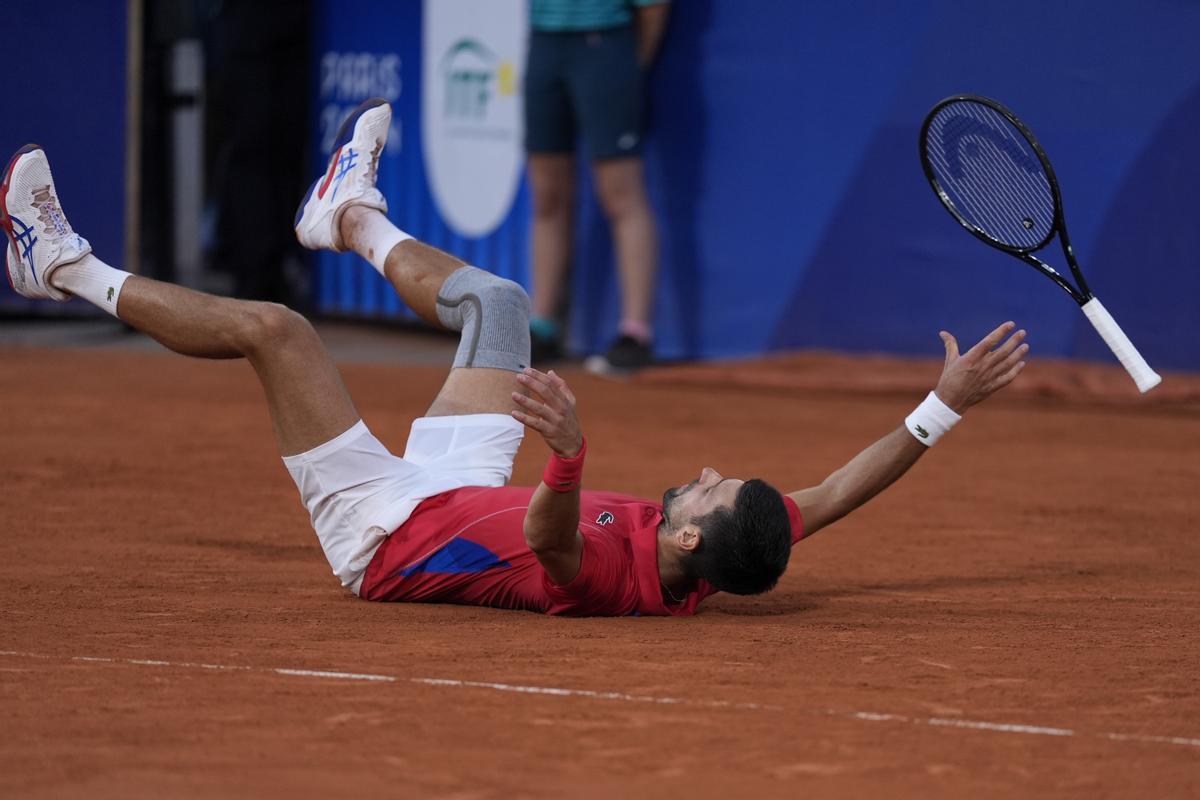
[[551, 413], [988, 366]]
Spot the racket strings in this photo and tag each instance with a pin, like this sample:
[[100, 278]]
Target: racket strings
[[991, 176], [994, 186], [972, 155]]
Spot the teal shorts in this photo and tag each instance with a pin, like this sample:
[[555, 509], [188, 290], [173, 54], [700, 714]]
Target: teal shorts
[[584, 84]]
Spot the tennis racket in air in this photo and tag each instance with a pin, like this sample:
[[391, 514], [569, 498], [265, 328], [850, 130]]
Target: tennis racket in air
[[994, 178]]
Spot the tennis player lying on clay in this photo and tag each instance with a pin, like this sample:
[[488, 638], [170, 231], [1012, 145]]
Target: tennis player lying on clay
[[439, 524]]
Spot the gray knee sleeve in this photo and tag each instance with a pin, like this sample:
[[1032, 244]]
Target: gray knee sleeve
[[493, 315]]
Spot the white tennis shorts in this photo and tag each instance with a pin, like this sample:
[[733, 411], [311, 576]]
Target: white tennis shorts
[[358, 493]]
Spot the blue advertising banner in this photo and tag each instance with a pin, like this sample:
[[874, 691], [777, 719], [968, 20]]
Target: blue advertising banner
[[783, 169], [65, 90]]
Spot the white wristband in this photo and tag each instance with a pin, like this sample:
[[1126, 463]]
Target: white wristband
[[930, 420]]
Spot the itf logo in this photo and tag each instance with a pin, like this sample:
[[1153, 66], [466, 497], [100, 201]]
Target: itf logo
[[473, 74], [471, 119]]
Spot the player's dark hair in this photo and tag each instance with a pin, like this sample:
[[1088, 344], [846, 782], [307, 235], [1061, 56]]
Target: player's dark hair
[[744, 548]]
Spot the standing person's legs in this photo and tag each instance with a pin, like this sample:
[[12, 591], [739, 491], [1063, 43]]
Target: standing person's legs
[[550, 143], [606, 89], [621, 189], [552, 189]]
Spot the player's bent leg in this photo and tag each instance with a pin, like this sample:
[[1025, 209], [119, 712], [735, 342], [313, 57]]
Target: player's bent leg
[[46, 259], [491, 313], [356, 492], [493, 317], [414, 269], [307, 400], [345, 211]]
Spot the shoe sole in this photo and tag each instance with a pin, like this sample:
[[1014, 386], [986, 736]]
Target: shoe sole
[[5, 220], [344, 134]]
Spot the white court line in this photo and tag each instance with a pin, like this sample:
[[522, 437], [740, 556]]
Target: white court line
[[594, 695], [975, 725], [351, 676], [865, 716]]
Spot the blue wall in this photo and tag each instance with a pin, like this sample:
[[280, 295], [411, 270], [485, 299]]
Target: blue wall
[[64, 88], [783, 166]]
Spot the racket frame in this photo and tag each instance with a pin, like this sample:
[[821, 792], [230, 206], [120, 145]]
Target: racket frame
[[1080, 294], [1141, 372]]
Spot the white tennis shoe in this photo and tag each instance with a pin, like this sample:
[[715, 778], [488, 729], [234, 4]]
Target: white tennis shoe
[[40, 240], [350, 179]]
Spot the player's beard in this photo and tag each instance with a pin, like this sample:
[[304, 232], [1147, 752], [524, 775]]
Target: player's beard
[[669, 497]]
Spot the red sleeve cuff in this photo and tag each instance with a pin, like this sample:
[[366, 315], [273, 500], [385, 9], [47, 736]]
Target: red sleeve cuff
[[793, 511]]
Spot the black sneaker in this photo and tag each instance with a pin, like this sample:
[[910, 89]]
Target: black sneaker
[[627, 354]]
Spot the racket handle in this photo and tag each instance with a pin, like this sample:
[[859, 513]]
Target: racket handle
[[1145, 378]]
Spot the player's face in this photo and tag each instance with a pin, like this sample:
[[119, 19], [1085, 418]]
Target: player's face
[[707, 493]]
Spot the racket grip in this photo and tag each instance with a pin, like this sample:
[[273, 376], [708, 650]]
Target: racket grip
[[1145, 378]]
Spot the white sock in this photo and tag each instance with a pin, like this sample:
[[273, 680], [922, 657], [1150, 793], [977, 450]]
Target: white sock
[[374, 236], [93, 280]]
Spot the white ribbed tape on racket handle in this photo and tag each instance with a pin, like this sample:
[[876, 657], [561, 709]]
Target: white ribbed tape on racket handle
[[930, 420], [1145, 378]]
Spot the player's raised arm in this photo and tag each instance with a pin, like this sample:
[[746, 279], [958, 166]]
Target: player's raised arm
[[966, 379], [552, 522]]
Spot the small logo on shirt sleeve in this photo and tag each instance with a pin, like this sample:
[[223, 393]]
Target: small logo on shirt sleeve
[[605, 518]]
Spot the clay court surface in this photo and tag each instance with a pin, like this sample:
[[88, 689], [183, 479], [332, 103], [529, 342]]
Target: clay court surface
[[1017, 618]]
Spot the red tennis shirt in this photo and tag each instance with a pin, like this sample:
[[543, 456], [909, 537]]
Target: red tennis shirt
[[468, 546]]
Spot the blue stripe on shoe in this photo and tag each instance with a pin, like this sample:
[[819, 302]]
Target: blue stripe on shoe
[[23, 242], [344, 134]]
